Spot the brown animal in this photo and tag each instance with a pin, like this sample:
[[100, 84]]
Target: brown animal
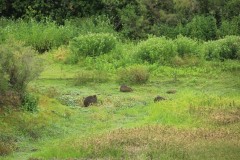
[[90, 100], [125, 88], [171, 91], [159, 98]]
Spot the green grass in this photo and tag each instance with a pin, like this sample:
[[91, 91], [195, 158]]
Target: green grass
[[200, 121]]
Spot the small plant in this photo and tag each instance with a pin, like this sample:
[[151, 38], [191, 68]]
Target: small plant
[[61, 54], [93, 44], [136, 74], [30, 102]]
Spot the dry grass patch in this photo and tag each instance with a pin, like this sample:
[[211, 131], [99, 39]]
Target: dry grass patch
[[223, 117], [155, 141]]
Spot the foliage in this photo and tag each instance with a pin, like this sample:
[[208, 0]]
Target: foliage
[[230, 27], [92, 44], [19, 65], [93, 24], [57, 11], [227, 48], [156, 50], [135, 18], [30, 102], [136, 74], [42, 36], [202, 27], [187, 46]]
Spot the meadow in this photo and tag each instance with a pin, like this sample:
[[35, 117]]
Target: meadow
[[200, 121]]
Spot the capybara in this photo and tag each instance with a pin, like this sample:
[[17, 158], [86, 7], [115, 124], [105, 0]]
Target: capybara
[[171, 91], [159, 98], [125, 88], [90, 100]]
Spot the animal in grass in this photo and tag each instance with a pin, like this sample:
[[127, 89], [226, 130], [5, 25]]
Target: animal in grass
[[125, 88], [171, 91], [159, 98], [90, 100]]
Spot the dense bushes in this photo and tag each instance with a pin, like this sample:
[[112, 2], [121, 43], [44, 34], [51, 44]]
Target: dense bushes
[[202, 27], [42, 36], [93, 44], [226, 48]]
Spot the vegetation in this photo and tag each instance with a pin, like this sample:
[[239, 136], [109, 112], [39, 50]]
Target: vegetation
[[55, 54]]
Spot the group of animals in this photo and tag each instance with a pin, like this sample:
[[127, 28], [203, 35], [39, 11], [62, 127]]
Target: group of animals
[[123, 88]]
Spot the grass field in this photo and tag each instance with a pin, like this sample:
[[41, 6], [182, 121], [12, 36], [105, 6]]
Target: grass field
[[200, 121]]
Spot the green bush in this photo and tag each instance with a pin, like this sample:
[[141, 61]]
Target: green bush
[[156, 50], [136, 74], [230, 47], [93, 44], [230, 27], [30, 103], [202, 27], [18, 65], [226, 48], [187, 47]]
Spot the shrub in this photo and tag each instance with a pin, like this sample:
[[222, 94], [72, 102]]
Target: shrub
[[187, 46], [61, 54], [19, 65], [156, 50], [226, 48], [30, 102], [230, 27], [84, 77], [230, 47], [137, 74], [93, 44], [202, 27]]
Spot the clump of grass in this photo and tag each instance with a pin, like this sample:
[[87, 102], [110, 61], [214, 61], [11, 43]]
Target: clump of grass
[[137, 74], [96, 76], [61, 54]]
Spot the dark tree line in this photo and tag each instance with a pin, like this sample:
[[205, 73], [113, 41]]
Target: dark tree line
[[135, 18]]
